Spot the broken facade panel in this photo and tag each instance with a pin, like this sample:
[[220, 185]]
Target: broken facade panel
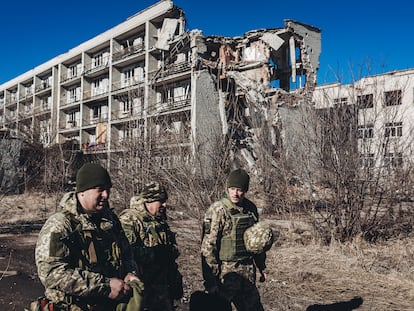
[[254, 74]]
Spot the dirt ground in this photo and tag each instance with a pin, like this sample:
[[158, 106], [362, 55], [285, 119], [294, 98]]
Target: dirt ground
[[304, 275]]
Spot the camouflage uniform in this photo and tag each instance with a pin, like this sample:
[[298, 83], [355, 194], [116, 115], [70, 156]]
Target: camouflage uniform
[[76, 275], [234, 280], [155, 251]]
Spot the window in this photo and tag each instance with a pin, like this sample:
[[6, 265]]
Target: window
[[132, 75], [393, 159], [46, 102], [13, 96], [100, 59], [365, 131], [29, 90], [392, 98], [393, 129], [73, 94], [100, 86], [45, 130], [126, 106], [97, 60], [127, 76], [367, 160], [73, 71], [99, 112], [72, 119], [46, 82], [96, 112], [365, 101], [341, 101]]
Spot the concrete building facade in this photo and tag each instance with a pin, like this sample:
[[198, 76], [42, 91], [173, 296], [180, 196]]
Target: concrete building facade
[[384, 115], [150, 78]]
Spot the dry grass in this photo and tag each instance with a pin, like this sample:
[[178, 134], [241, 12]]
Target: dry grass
[[302, 271]]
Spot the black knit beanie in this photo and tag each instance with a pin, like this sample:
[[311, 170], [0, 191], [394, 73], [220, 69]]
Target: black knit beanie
[[238, 179], [92, 175]]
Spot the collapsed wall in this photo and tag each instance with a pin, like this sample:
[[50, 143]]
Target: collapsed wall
[[255, 75]]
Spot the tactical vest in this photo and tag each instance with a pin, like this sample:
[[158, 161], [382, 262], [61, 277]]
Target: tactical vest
[[157, 233], [95, 250], [232, 246]]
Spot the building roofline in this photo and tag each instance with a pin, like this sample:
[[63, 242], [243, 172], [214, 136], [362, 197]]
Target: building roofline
[[139, 18]]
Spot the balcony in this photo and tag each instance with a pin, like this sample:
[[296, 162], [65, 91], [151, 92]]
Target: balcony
[[126, 115], [44, 108], [94, 147], [69, 101], [96, 68], [127, 83], [170, 70], [69, 77], [27, 96], [12, 100], [173, 104], [126, 52], [70, 125], [95, 120], [43, 86], [94, 94]]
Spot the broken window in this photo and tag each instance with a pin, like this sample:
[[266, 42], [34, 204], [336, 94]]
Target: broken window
[[392, 98], [365, 101]]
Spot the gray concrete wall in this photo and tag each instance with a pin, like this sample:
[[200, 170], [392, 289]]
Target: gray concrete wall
[[206, 123]]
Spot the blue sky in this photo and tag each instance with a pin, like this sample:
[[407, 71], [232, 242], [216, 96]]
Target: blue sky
[[365, 37]]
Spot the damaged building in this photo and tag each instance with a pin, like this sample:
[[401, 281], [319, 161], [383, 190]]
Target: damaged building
[[150, 79]]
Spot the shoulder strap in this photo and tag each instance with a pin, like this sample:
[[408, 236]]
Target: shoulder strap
[[150, 228], [87, 236], [229, 207]]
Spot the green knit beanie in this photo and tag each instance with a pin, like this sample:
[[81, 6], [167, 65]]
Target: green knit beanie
[[92, 175], [238, 179]]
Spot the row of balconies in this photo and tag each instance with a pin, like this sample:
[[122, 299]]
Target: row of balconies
[[12, 97], [120, 115]]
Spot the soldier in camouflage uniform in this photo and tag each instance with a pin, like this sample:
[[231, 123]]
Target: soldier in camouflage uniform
[[154, 247], [83, 258], [228, 268]]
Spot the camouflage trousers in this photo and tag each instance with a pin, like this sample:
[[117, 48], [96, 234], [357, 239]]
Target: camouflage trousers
[[238, 286]]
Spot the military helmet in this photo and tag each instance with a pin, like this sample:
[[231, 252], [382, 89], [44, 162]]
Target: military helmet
[[154, 191], [258, 238]]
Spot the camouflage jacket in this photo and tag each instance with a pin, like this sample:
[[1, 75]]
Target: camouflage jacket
[[66, 265], [217, 223], [153, 243]]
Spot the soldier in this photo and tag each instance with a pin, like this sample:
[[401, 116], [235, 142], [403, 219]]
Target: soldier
[[82, 255], [154, 247], [229, 269]]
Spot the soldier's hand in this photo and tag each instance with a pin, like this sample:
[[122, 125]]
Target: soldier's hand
[[119, 289], [131, 277], [263, 277]]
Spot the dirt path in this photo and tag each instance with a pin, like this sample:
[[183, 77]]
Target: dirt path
[[303, 275]]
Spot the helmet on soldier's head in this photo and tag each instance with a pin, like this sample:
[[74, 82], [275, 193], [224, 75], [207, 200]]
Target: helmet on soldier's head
[[258, 238], [154, 191]]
